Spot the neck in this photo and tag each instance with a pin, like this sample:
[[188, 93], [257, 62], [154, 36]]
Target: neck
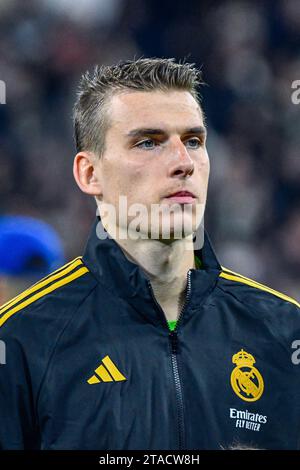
[[165, 263]]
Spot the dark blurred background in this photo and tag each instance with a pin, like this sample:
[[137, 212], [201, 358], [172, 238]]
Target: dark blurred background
[[249, 52]]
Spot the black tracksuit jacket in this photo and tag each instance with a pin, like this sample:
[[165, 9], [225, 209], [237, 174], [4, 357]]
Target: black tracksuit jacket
[[90, 362]]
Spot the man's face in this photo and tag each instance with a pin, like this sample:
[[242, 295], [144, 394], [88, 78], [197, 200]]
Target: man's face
[[155, 147]]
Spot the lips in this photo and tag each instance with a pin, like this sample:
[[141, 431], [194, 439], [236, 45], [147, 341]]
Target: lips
[[182, 197], [182, 194]]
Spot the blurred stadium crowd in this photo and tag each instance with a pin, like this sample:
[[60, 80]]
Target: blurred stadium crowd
[[249, 52]]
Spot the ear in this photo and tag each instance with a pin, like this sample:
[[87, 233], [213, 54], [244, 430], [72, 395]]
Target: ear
[[84, 171]]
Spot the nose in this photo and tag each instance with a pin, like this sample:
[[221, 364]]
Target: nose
[[181, 163]]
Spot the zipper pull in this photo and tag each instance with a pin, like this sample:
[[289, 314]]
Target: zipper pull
[[173, 336]]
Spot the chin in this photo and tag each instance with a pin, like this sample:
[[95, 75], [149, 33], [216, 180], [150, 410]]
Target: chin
[[174, 229]]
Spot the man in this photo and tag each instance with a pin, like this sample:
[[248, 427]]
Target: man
[[29, 250], [146, 342]]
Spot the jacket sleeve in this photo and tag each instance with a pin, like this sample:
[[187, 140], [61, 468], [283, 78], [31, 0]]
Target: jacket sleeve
[[18, 425]]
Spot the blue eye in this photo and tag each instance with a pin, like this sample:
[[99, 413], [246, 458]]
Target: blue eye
[[193, 143], [146, 144]]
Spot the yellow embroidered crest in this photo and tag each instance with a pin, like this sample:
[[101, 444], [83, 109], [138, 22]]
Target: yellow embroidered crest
[[245, 379]]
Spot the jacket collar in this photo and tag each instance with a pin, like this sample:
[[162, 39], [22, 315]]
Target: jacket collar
[[107, 262]]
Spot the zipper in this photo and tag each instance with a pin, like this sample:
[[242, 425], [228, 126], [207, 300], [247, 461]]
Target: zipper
[[187, 298], [173, 337], [178, 389]]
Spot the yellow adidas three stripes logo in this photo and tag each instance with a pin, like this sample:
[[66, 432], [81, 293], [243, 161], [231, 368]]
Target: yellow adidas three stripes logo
[[106, 372]]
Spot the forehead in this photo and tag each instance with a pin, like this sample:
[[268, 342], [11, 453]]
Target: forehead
[[154, 109]]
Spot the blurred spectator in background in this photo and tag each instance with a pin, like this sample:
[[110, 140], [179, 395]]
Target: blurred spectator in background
[[29, 250], [250, 55]]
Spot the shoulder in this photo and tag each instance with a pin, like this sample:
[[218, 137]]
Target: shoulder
[[256, 294], [50, 300], [32, 323], [271, 314]]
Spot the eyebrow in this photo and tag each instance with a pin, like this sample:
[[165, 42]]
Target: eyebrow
[[142, 131]]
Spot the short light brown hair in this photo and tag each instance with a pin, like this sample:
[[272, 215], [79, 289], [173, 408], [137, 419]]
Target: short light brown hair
[[95, 90]]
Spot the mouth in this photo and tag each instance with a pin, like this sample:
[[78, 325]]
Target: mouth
[[182, 197]]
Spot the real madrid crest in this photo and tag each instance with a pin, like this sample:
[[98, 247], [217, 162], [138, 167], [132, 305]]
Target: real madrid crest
[[245, 379]]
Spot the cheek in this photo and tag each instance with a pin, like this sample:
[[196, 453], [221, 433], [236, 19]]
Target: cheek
[[204, 168], [207, 167], [124, 180]]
